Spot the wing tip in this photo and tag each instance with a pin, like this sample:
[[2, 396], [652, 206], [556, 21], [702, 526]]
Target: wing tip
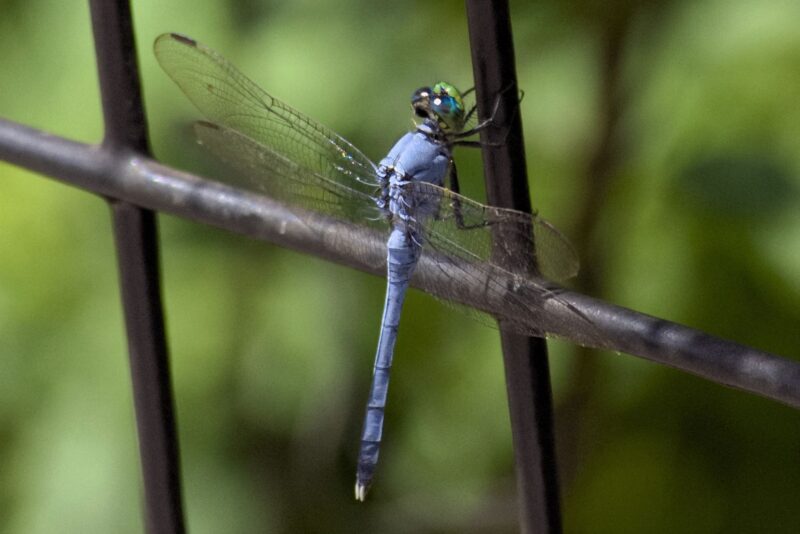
[[179, 38], [183, 39]]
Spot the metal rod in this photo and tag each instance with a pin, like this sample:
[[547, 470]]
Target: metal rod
[[137, 254], [136, 240], [525, 359], [147, 183]]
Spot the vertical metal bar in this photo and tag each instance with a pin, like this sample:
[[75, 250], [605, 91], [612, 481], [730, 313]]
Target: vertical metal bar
[[135, 235], [136, 240], [525, 359]]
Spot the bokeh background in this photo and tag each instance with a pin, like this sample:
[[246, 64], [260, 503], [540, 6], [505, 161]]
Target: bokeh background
[[662, 137]]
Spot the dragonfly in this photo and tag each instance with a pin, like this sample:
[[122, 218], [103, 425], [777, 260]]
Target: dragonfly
[[290, 157]]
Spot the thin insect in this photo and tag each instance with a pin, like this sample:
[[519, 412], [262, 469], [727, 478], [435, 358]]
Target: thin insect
[[288, 156]]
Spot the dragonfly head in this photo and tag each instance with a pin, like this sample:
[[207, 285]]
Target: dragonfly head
[[441, 104]]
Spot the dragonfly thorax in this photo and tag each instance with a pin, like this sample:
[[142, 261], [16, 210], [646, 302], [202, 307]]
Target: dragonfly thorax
[[442, 105]]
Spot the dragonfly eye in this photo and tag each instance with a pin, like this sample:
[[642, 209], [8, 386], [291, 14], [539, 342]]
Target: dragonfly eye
[[421, 101], [441, 103], [448, 107], [421, 96]]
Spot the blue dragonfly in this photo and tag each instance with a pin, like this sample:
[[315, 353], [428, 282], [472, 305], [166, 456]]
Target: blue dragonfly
[[292, 158]]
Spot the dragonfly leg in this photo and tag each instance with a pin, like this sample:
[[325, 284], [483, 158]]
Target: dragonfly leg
[[473, 109], [460, 138], [455, 201], [455, 188], [453, 178]]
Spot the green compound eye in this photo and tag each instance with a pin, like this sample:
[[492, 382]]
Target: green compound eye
[[441, 103], [446, 103]]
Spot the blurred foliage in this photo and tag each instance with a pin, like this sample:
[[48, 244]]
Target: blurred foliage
[[691, 110]]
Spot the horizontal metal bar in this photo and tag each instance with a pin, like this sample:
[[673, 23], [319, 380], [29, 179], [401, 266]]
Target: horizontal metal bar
[[149, 184]]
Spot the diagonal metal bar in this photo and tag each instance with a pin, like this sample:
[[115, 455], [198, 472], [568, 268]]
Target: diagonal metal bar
[[526, 362], [144, 182], [136, 240]]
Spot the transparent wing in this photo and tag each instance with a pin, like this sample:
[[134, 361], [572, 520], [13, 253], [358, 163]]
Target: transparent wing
[[462, 237], [227, 97], [474, 241], [279, 151], [477, 232], [256, 166]]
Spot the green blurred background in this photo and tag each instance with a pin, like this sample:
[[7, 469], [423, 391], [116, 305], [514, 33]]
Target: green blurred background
[[662, 137]]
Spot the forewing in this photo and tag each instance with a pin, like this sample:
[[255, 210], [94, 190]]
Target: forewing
[[227, 97], [258, 167]]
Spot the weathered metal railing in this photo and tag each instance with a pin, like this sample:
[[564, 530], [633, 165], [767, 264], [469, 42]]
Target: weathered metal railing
[[122, 172]]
